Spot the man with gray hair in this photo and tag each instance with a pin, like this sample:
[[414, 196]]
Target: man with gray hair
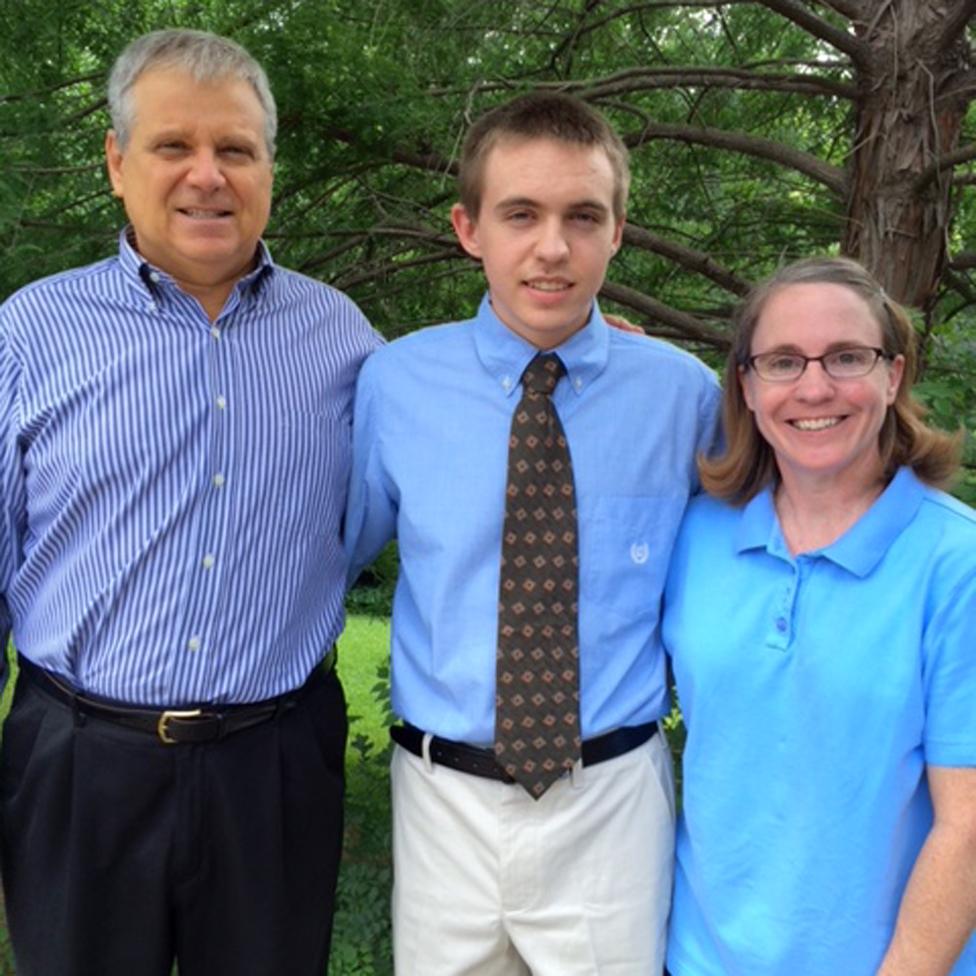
[[174, 430]]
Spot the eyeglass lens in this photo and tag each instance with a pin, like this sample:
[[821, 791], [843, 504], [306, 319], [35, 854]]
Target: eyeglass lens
[[839, 363]]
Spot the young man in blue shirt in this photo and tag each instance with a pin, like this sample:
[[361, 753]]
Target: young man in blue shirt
[[490, 877]]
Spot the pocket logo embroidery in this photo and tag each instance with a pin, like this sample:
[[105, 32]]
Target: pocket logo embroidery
[[639, 552]]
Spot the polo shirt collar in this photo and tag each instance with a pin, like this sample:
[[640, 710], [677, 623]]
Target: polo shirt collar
[[861, 547], [504, 354]]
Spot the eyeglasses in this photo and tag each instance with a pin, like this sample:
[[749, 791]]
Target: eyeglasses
[[840, 364]]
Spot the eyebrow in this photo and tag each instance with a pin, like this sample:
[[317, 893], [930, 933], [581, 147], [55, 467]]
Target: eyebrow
[[792, 347], [509, 202], [170, 132], [187, 132]]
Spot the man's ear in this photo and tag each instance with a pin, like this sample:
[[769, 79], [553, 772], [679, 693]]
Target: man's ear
[[113, 159], [466, 230], [618, 234]]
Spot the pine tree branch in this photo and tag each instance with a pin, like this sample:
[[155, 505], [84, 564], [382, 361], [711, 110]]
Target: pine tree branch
[[818, 27], [686, 326], [848, 8], [51, 89], [833, 177], [696, 261], [963, 261], [946, 161], [643, 79], [955, 26]]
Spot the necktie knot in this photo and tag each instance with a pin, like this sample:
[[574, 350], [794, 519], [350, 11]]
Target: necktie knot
[[543, 373]]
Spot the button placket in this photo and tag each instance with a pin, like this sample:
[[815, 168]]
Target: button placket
[[780, 633], [202, 609]]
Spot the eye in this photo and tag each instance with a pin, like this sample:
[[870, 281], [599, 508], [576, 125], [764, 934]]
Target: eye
[[519, 216], [170, 147], [237, 152], [856, 356], [588, 219], [781, 364]]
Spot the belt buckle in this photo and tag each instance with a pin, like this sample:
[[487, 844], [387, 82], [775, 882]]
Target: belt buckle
[[164, 720]]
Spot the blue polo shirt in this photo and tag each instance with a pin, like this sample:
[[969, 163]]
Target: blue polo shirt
[[815, 689]]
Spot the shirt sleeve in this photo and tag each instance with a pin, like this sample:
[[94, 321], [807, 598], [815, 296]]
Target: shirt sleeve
[[371, 510], [13, 506], [950, 679]]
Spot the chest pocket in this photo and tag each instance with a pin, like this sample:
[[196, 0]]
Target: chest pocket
[[626, 547]]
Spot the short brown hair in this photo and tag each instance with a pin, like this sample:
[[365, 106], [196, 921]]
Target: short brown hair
[[748, 464], [540, 115]]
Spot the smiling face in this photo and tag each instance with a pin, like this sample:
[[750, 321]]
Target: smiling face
[[821, 429], [195, 178], [545, 233]]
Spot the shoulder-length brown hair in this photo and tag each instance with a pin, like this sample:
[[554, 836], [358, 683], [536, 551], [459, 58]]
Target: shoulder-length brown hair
[[748, 464]]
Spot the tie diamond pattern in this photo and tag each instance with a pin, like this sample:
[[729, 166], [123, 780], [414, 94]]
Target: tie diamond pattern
[[537, 733]]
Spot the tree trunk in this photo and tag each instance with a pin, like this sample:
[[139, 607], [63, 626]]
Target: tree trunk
[[907, 118]]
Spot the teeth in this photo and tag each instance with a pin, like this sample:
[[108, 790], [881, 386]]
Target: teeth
[[820, 423], [204, 213], [548, 285]]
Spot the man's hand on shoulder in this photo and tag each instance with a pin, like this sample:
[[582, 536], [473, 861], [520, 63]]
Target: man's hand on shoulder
[[624, 325]]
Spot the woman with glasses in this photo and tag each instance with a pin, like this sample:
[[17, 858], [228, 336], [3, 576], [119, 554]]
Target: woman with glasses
[[821, 617]]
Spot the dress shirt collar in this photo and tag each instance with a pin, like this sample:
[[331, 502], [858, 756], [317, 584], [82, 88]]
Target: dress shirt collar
[[505, 354], [861, 547], [139, 272]]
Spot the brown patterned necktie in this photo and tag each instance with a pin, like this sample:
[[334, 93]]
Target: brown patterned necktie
[[537, 733]]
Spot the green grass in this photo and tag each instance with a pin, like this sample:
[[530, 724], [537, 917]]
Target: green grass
[[363, 650], [361, 942]]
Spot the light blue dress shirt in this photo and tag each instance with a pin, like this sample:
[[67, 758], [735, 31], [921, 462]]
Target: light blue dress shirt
[[430, 451], [171, 489], [815, 690]]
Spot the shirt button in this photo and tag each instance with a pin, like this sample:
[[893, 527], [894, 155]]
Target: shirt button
[[221, 402], [780, 624], [193, 644], [507, 382], [154, 276], [577, 383], [209, 560], [218, 480], [215, 332]]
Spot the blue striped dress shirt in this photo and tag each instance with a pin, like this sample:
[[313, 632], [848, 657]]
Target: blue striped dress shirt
[[172, 488]]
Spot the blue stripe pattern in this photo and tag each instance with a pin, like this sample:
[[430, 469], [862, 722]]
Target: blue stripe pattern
[[172, 488]]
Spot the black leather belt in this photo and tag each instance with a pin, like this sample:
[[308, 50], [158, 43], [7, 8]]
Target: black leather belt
[[173, 725], [482, 762]]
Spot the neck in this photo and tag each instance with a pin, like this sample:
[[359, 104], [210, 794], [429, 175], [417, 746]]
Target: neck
[[814, 515], [211, 297]]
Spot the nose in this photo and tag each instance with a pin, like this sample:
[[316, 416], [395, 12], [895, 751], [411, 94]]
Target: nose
[[552, 245], [205, 172], [815, 382]]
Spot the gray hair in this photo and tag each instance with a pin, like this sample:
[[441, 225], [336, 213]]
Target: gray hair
[[205, 56]]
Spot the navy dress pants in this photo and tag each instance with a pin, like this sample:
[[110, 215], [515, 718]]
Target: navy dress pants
[[121, 854]]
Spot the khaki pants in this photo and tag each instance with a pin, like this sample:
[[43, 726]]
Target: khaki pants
[[489, 882]]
